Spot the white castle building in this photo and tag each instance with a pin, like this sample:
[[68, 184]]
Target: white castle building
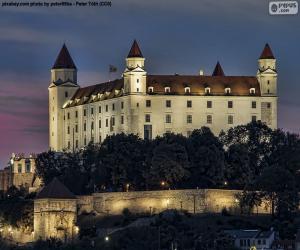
[[151, 105]]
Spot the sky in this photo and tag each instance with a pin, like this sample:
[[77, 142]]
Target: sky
[[175, 36]]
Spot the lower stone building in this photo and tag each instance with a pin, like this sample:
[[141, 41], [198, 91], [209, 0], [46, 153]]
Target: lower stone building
[[55, 213]]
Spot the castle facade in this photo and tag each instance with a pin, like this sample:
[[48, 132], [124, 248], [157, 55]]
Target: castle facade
[[152, 105]]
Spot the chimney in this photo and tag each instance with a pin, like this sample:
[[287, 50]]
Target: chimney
[[201, 72]]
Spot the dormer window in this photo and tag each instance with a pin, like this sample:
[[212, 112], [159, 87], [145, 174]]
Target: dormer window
[[107, 93], [252, 91], [150, 89], [227, 91], [187, 90], [93, 97], [167, 89], [207, 90]]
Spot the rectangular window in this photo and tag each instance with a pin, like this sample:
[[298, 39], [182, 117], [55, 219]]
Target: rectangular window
[[27, 166], [189, 104], [92, 139], [113, 106], [92, 125], [189, 119], [230, 119], [84, 127], [99, 109], [76, 128], [69, 145], [148, 103], [209, 119], [122, 105], [122, 119], [268, 105], [100, 138], [253, 118], [209, 104], [99, 123], [147, 118], [106, 122], [68, 130], [168, 118], [68, 115], [76, 114], [106, 108], [76, 144], [19, 168], [230, 104], [84, 112], [66, 94], [92, 111], [84, 141], [113, 121], [168, 103], [148, 132], [253, 105]]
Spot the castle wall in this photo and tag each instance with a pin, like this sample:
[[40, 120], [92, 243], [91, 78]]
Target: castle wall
[[192, 200]]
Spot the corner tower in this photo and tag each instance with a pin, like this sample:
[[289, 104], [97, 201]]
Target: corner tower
[[135, 74], [62, 87], [267, 73]]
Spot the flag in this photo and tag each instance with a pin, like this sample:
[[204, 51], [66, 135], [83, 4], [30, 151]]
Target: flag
[[112, 68]]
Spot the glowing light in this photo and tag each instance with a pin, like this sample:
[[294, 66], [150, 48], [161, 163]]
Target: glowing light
[[106, 238], [225, 183], [76, 229], [162, 183]]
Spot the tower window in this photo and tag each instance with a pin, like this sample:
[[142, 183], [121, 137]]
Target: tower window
[[68, 115], [189, 119], [106, 108], [122, 105], [92, 125], [209, 119], [268, 82], [113, 106], [99, 109], [99, 123], [137, 80], [230, 119], [148, 103], [106, 122], [68, 130], [230, 104], [147, 118], [76, 114], [76, 143], [122, 119], [189, 104], [69, 145], [84, 127], [268, 91], [167, 89], [137, 90], [209, 104], [76, 128], [168, 103], [168, 118], [66, 94], [84, 112], [92, 111]]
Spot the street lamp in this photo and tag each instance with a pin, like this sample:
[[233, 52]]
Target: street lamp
[[106, 238]]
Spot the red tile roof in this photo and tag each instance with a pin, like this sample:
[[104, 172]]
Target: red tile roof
[[64, 60], [240, 86], [218, 71], [267, 53], [55, 190], [135, 50]]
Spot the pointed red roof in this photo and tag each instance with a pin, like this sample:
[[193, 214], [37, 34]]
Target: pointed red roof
[[218, 71], [55, 190], [135, 50], [267, 53], [64, 60]]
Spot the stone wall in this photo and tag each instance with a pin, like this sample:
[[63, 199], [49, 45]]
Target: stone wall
[[192, 200]]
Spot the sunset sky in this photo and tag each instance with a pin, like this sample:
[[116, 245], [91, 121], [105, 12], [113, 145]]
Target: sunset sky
[[175, 37]]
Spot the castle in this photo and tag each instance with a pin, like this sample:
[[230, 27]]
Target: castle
[[152, 105]]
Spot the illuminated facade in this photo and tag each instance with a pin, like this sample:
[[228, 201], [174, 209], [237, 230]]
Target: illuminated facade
[[151, 105]]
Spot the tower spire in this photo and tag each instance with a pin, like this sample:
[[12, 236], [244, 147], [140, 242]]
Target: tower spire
[[267, 53], [218, 71], [135, 50], [64, 59]]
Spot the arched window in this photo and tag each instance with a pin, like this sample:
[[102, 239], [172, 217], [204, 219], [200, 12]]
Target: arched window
[[227, 91], [150, 89], [187, 90], [252, 91], [207, 90], [167, 89]]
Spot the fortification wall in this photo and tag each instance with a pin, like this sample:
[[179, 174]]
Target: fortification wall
[[191, 200]]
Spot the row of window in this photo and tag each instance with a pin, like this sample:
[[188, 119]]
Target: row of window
[[168, 104], [168, 119], [207, 90]]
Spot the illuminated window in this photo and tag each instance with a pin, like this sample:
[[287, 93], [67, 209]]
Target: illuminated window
[[227, 91], [150, 89], [252, 91], [167, 89], [187, 90], [207, 90]]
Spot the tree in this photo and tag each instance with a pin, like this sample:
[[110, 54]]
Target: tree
[[278, 186], [238, 173], [169, 163], [206, 156]]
